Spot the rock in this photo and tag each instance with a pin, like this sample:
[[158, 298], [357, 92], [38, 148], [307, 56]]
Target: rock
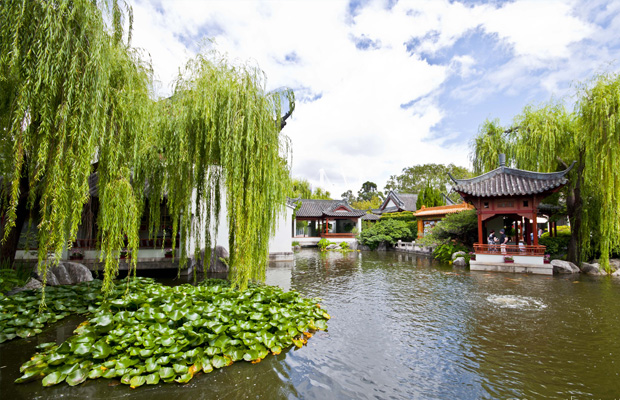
[[32, 284], [78, 272], [61, 274], [67, 273], [591, 269], [333, 247], [297, 247], [564, 267], [616, 274], [457, 254], [217, 265], [382, 247], [362, 247], [459, 262], [353, 246]]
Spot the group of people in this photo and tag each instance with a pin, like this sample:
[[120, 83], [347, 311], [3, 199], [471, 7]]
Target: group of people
[[502, 240]]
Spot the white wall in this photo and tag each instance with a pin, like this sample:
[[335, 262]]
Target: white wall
[[281, 241]]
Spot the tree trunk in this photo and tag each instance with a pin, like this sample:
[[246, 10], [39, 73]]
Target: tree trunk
[[8, 248], [574, 206]]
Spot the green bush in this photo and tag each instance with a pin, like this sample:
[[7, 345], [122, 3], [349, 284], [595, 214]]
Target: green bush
[[385, 230], [556, 245], [323, 243], [295, 243], [444, 252], [344, 245], [460, 227], [405, 216]]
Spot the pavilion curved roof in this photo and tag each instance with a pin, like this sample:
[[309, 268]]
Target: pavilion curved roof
[[505, 181], [314, 208]]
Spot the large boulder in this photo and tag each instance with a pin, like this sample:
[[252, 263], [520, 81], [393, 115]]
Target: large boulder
[[67, 273], [333, 247], [78, 272], [458, 254], [32, 284], [382, 246], [564, 267], [460, 262], [218, 254], [616, 274], [591, 269]]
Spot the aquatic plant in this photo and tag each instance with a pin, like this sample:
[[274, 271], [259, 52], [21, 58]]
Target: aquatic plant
[[159, 333]]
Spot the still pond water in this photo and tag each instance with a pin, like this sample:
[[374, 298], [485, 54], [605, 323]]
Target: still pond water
[[404, 327]]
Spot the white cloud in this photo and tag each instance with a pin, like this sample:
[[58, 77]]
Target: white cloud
[[349, 121]]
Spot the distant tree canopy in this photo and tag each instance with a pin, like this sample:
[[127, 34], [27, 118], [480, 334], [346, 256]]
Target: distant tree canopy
[[430, 197], [73, 92], [302, 188], [548, 138], [367, 197], [417, 178]]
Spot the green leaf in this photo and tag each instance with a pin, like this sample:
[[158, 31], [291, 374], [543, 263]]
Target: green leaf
[[137, 381], [180, 369], [54, 378], [166, 372], [101, 350], [78, 376], [152, 379], [184, 378]]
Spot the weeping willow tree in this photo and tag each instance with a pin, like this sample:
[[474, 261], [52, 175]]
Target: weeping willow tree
[[548, 137], [74, 104], [220, 133], [72, 95]]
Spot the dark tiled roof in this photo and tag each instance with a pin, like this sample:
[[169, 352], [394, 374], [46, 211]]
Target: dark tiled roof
[[319, 208], [371, 217], [405, 202], [505, 181]]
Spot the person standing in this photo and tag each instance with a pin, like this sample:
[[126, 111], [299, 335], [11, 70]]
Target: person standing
[[503, 239], [491, 240]]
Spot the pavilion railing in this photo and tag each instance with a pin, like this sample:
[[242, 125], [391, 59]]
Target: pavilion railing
[[510, 249], [337, 235]]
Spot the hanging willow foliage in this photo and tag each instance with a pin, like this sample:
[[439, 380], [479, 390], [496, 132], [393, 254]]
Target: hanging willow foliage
[[547, 137], [221, 130], [74, 100], [72, 96]]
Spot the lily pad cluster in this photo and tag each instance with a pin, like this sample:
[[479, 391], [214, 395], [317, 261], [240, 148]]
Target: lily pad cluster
[[159, 333], [20, 316]]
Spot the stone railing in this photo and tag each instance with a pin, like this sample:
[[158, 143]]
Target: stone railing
[[412, 247]]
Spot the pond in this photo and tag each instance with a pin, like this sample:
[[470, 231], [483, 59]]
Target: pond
[[405, 327]]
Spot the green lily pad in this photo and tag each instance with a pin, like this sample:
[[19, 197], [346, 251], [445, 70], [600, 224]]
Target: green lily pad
[[137, 381], [78, 376], [54, 378], [166, 372], [184, 378], [152, 379]]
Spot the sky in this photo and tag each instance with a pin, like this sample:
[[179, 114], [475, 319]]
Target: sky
[[385, 85]]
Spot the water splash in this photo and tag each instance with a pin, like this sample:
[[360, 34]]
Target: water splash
[[521, 302]]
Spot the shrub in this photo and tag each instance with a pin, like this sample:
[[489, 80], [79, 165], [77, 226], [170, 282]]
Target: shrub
[[295, 243], [385, 230], [323, 243], [344, 245], [444, 252], [556, 245]]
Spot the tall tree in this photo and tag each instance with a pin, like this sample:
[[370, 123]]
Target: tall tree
[[548, 137], [430, 197], [348, 196], [368, 191], [415, 179]]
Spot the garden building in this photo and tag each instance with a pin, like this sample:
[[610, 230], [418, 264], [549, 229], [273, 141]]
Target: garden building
[[332, 219], [508, 198], [397, 202], [429, 216]]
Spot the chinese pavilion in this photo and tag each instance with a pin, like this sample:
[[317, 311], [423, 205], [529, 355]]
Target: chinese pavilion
[[507, 197]]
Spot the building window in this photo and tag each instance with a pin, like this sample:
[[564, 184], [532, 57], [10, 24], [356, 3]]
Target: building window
[[526, 203], [486, 204]]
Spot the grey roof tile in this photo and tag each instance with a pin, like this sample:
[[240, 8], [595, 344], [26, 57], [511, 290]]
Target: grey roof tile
[[505, 181]]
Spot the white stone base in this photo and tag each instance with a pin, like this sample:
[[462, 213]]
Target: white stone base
[[520, 268], [282, 256]]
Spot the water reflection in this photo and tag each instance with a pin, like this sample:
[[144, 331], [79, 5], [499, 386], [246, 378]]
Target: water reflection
[[405, 327]]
